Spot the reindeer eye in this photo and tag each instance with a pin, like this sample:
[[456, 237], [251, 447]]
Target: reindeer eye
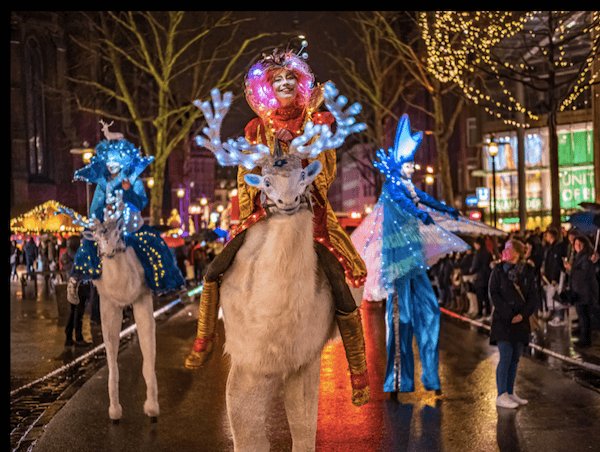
[[267, 183]]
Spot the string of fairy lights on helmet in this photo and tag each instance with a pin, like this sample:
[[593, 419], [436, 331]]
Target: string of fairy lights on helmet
[[452, 60]]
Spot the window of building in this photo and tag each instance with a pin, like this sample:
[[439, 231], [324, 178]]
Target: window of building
[[472, 135]]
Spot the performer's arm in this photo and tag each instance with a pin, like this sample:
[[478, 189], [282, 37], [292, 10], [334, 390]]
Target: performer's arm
[[406, 203], [136, 195], [97, 206], [430, 201], [327, 158]]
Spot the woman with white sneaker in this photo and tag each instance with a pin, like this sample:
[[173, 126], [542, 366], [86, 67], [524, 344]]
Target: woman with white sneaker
[[514, 297]]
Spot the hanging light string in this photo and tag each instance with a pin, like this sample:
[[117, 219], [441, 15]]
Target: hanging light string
[[459, 43], [580, 85]]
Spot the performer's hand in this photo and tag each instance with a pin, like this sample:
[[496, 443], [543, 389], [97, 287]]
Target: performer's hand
[[516, 319], [126, 184], [426, 218], [454, 213], [284, 135]]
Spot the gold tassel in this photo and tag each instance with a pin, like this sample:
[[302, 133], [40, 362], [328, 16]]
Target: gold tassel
[[350, 326], [207, 320]]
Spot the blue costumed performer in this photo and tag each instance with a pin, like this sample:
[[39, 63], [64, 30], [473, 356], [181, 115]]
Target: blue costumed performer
[[399, 240], [115, 169]]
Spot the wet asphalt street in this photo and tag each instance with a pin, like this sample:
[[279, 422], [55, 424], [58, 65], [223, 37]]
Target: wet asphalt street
[[68, 412]]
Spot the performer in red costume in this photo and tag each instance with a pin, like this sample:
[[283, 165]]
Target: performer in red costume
[[281, 89]]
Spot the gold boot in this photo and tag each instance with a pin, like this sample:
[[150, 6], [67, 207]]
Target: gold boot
[[350, 326], [207, 321]]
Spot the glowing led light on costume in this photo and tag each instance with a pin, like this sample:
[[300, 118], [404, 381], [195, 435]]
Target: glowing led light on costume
[[241, 152]]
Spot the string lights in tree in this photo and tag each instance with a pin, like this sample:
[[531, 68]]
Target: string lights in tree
[[581, 85], [458, 43], [463, 45]]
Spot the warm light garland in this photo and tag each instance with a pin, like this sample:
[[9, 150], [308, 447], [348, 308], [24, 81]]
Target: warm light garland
[[42, 219], [452, 60]]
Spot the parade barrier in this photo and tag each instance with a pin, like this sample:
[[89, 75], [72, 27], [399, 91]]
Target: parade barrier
[[586, 365]]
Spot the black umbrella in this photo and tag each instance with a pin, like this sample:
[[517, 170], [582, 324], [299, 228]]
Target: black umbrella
[[207, 235], [586, 221], [590, 205]]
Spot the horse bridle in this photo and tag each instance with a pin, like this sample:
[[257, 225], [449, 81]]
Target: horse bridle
[[116, 250]]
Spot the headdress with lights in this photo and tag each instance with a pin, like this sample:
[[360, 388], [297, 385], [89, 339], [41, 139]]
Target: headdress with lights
[[118, 151], [258, 89], [406, 144]]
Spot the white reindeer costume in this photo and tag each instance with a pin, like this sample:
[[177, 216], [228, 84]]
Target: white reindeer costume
[[276, 298]]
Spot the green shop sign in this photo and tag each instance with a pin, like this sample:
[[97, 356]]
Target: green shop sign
[[576, 186], [512, 204]]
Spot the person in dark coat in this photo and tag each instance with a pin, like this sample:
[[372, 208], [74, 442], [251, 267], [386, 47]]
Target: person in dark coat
[[480, 267], [513, 294], [30, 251], [552, 267], [584, 286]]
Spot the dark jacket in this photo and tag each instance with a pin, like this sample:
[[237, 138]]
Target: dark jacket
[[507, 302], [553, 261], [480, 267], [583, 280]]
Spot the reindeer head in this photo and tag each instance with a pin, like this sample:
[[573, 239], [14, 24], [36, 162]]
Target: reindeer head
[[108, 236], [283, 181]]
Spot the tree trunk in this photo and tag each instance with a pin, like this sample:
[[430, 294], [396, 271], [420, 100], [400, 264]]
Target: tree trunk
[[156, 197], [444, 170], [442, 134], [521, 164], [554, 177]]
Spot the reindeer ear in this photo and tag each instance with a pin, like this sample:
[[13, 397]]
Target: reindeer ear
[[253, 179], [312, 171], [120, 224], [89, 235]]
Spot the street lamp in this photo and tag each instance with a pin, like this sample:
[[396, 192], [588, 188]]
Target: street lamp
[[493, 152], [86, 153], [194, 210], [180, 195]]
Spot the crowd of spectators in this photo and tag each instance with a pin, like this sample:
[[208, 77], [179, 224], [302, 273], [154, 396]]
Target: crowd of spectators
[[567, 272]]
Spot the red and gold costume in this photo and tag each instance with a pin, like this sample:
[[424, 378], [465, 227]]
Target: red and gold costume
[[327, 229]]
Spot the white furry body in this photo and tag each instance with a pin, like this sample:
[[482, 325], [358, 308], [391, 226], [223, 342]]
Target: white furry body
[[122, 283], [278, 315]]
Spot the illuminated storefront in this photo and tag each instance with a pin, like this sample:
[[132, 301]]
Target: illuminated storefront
[[576, 173]]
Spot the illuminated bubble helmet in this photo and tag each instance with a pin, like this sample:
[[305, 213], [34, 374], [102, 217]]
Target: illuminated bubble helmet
[[258, 89]]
